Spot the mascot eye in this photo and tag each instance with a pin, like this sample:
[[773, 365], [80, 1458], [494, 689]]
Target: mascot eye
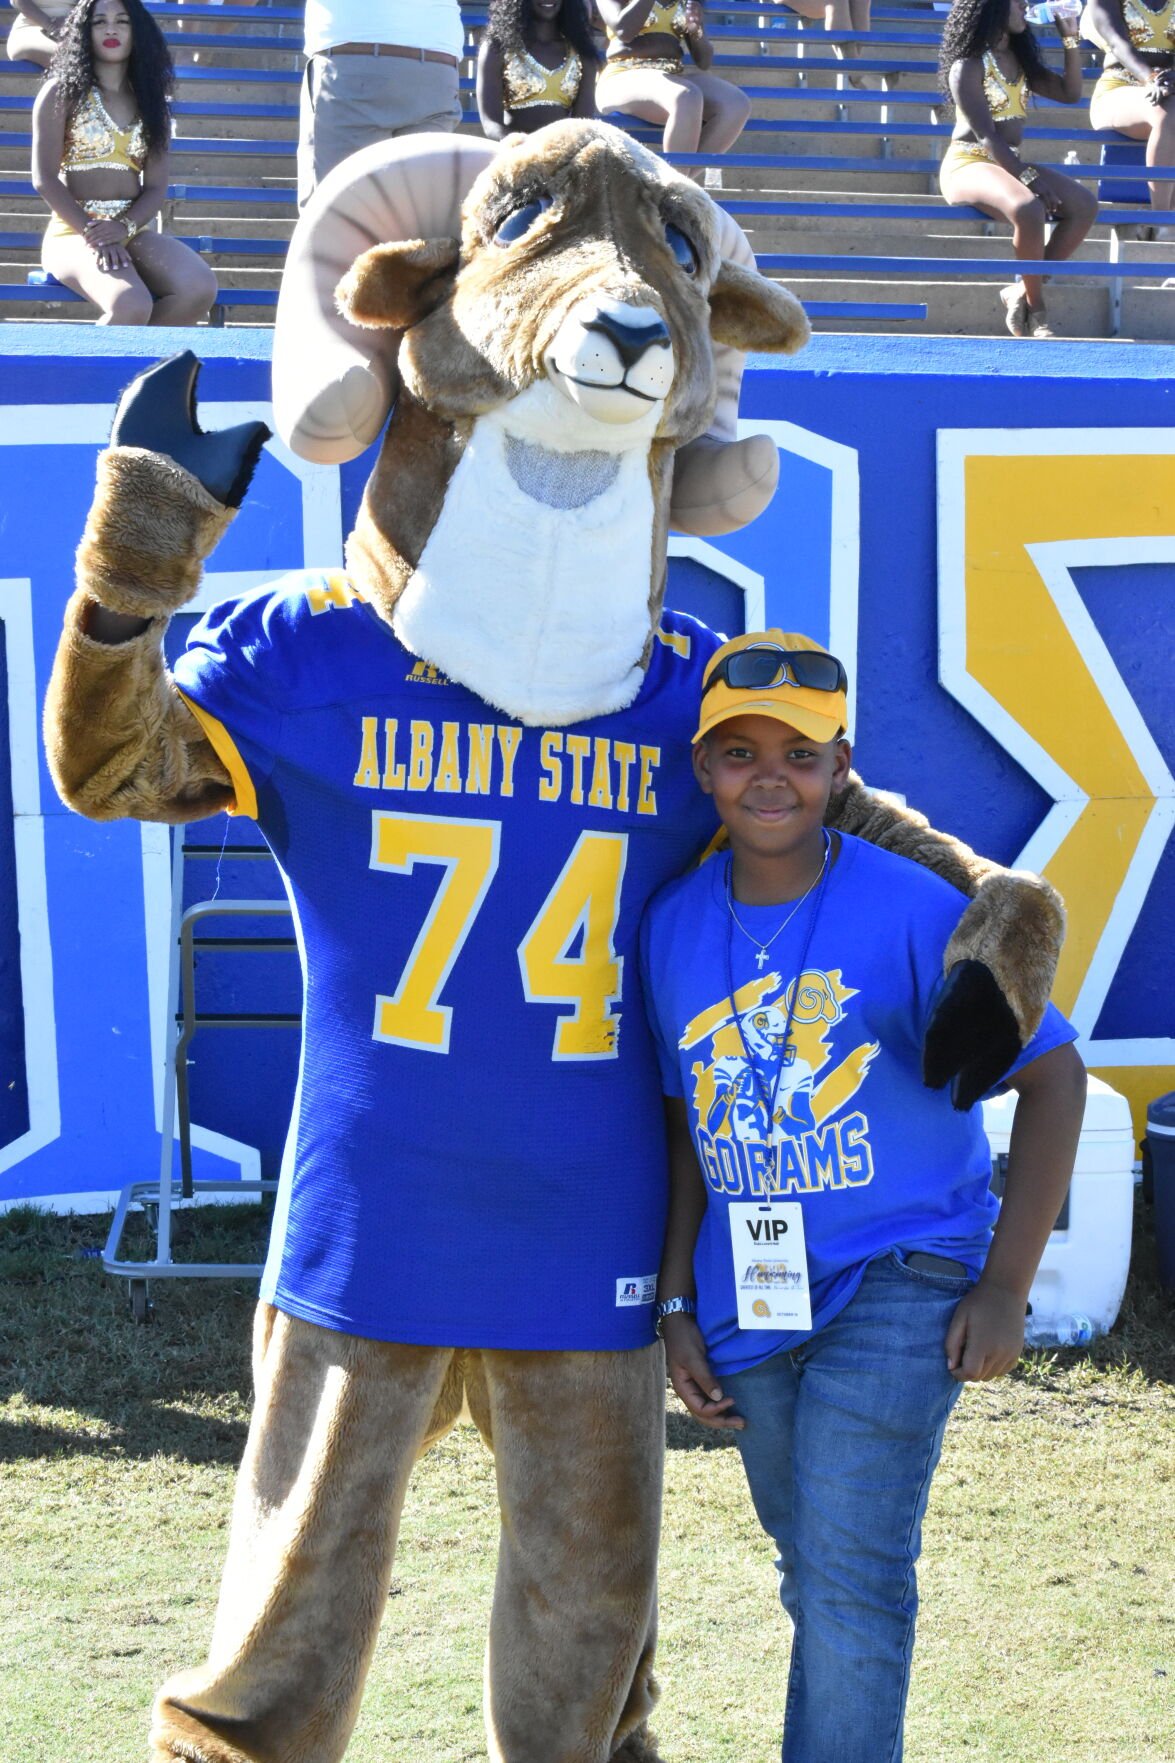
[[520, 220], [681, 248]]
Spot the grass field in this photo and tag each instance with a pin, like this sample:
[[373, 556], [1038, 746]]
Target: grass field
[[1048, 1621]]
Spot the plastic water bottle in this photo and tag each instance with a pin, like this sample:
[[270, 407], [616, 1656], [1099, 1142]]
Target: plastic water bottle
[[1060, 1331], [1051, 10]]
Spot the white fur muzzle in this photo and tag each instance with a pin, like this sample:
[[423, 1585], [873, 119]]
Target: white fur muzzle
[[539, 602], [613, 359]]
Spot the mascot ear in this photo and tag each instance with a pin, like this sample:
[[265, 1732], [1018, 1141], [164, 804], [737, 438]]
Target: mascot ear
[[394, 286], [748, 312]]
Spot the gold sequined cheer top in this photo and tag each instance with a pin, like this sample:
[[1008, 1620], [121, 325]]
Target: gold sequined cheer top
[[663, 21], [527, 83], [1147, 30], [94, 141], [1006, 99]]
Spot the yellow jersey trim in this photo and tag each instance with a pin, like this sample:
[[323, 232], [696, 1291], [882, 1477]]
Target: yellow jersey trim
[[679, 641], [225, 749]]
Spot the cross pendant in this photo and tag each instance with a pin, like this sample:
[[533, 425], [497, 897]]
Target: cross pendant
[[761, 959]]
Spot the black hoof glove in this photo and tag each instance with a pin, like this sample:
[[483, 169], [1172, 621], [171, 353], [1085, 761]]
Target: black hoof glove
[[972, 1037], [158, 411]]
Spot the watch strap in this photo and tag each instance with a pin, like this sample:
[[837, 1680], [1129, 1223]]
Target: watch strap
[[679, 1306]]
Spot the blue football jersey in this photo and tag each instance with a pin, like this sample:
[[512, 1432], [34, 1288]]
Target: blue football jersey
[[476, 1156]]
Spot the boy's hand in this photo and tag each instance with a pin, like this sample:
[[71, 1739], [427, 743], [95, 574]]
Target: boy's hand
[[691, 1377], [986, 1336]]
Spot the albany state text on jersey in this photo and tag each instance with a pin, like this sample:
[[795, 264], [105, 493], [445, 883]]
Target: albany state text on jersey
[[478, 759]]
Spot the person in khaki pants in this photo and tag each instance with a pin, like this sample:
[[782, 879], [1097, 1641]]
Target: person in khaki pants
[[374, 68]]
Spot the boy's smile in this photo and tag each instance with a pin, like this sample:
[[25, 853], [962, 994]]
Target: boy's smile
[[771, 786]]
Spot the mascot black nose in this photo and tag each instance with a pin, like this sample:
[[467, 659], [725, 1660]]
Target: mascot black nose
[[631, 338]]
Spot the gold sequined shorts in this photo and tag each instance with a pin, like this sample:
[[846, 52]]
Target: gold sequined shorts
[[522, 104], [1113, 79], [638, 64], [960, 154], [107, 207]]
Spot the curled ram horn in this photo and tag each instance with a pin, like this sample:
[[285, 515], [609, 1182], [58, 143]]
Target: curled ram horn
[[719, 482], [334, 384]]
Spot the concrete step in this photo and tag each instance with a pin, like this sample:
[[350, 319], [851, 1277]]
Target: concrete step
[[258, 164], [259, 217], [915, 237], [964, 307], [804, 146], [14, 267], [190, 219], [788, 184], [237, 275], [941, 235], [289, 60], [77, 312], [261, 130], [198, 214], [233, 269], [1148, 314]]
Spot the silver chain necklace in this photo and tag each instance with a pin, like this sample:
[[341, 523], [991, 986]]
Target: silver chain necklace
[[761, 957]]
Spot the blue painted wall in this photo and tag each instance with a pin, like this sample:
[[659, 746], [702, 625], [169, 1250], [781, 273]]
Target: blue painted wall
[[849, 550]]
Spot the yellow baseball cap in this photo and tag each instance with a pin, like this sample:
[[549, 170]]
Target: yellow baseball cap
[[786, 691]]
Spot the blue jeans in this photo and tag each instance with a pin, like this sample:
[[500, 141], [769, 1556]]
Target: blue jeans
[[842, 1437]]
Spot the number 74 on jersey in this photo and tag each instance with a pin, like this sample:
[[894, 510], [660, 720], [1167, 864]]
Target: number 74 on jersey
[[583, 905]]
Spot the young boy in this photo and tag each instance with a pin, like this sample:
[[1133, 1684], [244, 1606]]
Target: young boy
[[827, 1283]]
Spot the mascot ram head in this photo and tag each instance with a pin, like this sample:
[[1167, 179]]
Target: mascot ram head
[[563, 351]]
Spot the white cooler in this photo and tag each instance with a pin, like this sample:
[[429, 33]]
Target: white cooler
[[1083, 1271]]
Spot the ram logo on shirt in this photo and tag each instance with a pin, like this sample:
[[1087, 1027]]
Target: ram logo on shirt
[[749, 1058]]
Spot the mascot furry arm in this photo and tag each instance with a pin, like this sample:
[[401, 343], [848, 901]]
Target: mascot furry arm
[[501, 339]]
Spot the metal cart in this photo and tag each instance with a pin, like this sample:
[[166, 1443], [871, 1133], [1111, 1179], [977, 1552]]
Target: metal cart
[[157, 1199]]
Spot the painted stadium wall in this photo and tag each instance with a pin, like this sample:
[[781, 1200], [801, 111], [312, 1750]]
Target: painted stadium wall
[[986, 535]]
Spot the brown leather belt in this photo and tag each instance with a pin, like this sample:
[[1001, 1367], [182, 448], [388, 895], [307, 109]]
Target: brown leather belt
[[400, 50]]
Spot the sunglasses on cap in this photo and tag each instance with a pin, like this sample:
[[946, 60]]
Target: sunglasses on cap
[[763, 665]]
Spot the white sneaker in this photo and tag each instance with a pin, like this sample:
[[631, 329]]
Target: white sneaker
[[1015, 304]]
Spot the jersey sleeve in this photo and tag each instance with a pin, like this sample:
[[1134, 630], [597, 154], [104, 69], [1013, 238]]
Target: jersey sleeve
[[654, 988], [230, 676]]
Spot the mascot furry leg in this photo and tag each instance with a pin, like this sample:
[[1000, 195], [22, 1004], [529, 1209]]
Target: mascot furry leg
[[337, 1427]]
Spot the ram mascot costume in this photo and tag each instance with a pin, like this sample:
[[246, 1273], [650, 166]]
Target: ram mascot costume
[[469, 754]]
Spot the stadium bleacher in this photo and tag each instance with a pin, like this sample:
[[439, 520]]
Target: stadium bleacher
[[835, 186]]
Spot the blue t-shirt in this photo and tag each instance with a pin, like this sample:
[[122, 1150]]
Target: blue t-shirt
[[477, 1151], [876, 1160]]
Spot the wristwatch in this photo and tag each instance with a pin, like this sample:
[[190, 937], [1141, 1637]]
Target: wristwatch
[[1029, 176], [673, 1307]]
